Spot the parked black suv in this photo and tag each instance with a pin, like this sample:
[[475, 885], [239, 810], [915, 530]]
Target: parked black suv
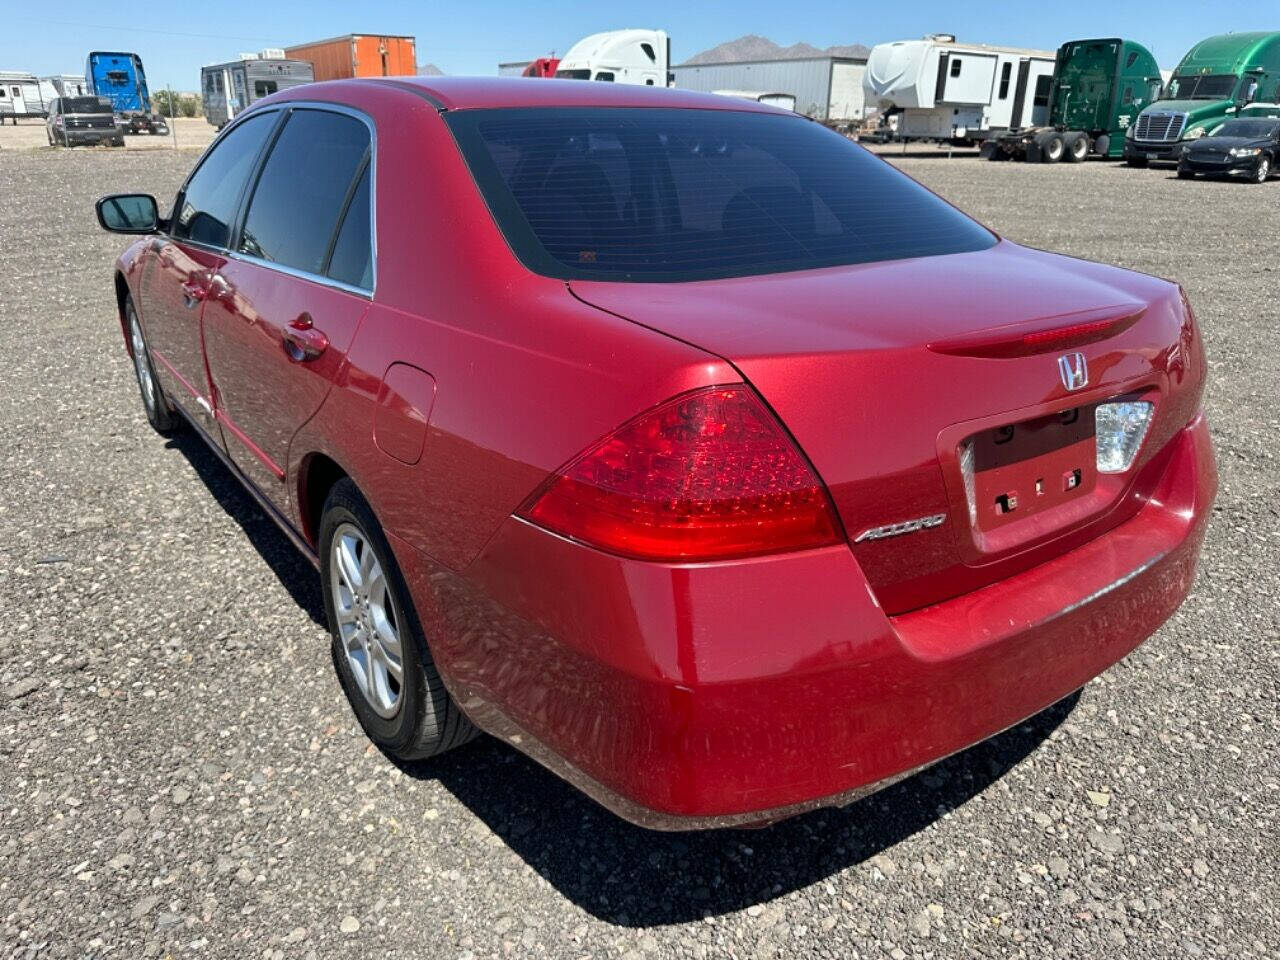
[[74, 120]]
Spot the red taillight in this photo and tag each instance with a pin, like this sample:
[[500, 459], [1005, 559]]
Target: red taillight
[[706, 476]]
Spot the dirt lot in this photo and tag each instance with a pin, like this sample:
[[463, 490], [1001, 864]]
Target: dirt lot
[[180, 776], [186, 133]]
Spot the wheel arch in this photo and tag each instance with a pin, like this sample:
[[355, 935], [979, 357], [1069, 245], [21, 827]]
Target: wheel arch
[[317, 475], [122, 294]]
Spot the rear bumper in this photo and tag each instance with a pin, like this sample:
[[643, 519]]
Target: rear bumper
[[721, 694]]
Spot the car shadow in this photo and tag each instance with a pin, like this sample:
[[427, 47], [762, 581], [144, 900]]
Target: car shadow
[[295, 574], [634, 877], [624, 874]]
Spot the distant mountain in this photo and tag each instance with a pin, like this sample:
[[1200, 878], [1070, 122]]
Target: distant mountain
[[752, 47], [429, 70]]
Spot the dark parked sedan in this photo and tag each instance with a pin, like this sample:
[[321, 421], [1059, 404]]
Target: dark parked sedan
[[1244, 148]]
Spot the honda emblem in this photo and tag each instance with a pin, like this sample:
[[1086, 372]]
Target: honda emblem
[[1073, 370]]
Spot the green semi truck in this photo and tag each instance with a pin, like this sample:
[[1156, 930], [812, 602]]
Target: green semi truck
[[1099, 86], [1218, 79]]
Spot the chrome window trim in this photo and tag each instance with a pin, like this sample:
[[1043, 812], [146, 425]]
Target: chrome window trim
[[242, 209]]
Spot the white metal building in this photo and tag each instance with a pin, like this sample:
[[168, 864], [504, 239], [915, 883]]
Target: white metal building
[[825, 88], [963, 91]]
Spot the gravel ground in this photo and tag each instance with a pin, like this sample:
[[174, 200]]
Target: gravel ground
[[192, 132], [179, 774]]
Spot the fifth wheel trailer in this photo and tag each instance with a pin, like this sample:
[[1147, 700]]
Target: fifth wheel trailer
[[227, 89], [20, 96], [825, 88], [962, 92]]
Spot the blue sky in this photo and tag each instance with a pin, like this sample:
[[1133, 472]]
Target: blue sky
[[471, 38]]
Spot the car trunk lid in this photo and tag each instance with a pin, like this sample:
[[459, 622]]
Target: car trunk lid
[[920, 389]]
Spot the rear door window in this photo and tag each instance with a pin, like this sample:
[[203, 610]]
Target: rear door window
[[352, 258], [304, 188], [208, 205], [651, 194]]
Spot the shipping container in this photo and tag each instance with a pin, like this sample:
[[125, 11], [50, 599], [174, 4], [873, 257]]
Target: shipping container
[[825, 88], [358, 55]]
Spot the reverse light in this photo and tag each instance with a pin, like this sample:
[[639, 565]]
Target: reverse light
[[709, 475], [1121, 427]]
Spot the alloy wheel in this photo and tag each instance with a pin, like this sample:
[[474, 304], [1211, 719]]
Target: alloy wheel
[[1263, 171], [141, 366], [368, 619]]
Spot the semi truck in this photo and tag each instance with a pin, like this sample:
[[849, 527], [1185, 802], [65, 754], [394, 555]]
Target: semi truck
[[1217, 79], [1099, 86], [120, 78], [229, 88], [358, 55], [963, 93], [620, 56]]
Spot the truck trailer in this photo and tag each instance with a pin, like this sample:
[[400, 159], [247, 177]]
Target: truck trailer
[[120, 78], [620, 56], [1216, 80], [229, 88], [963, 93], [358, 55], [541, 67], [1098, 88]]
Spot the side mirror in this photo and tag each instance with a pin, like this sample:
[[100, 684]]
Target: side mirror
[[128, 213]]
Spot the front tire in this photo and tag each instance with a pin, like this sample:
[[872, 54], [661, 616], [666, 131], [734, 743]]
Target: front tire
[[1185, 173], [1263, 170], [378, 646], [1136, 161], [159, 414]]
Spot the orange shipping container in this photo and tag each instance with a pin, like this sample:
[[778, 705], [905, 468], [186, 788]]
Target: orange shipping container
[[358, 55]]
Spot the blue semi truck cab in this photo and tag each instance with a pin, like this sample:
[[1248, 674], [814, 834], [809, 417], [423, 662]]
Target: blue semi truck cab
[[120, 78]]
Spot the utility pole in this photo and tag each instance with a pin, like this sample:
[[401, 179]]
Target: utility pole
[[173, 126]]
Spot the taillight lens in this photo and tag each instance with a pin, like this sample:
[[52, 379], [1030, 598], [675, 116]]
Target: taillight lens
[[708, 475]]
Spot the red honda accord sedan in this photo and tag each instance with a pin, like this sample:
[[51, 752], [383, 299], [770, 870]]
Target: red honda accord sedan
[[677, 440]]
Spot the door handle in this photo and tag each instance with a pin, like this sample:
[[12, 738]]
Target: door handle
[[302, 341], [193, 293]]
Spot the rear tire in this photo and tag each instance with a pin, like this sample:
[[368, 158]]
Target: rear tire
[[160, 414], [378, 646], [1077, 148]]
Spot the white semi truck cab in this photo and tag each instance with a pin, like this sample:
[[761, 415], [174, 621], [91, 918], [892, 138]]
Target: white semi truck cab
[[621, 56]]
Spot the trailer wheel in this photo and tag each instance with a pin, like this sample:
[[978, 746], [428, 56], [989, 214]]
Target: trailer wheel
[[1077, 147], [1052, 147]]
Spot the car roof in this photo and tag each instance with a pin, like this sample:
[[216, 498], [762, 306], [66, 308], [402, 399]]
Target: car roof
[[484, 93]]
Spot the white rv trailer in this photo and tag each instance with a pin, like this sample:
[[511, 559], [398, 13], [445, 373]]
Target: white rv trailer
[[787, 101], [20, 96], [63, 85], [230, 88], [944, 90], [825, 88], [620, 56]]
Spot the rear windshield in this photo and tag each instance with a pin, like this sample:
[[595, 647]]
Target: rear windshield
[[667, 195], [85, 105]]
